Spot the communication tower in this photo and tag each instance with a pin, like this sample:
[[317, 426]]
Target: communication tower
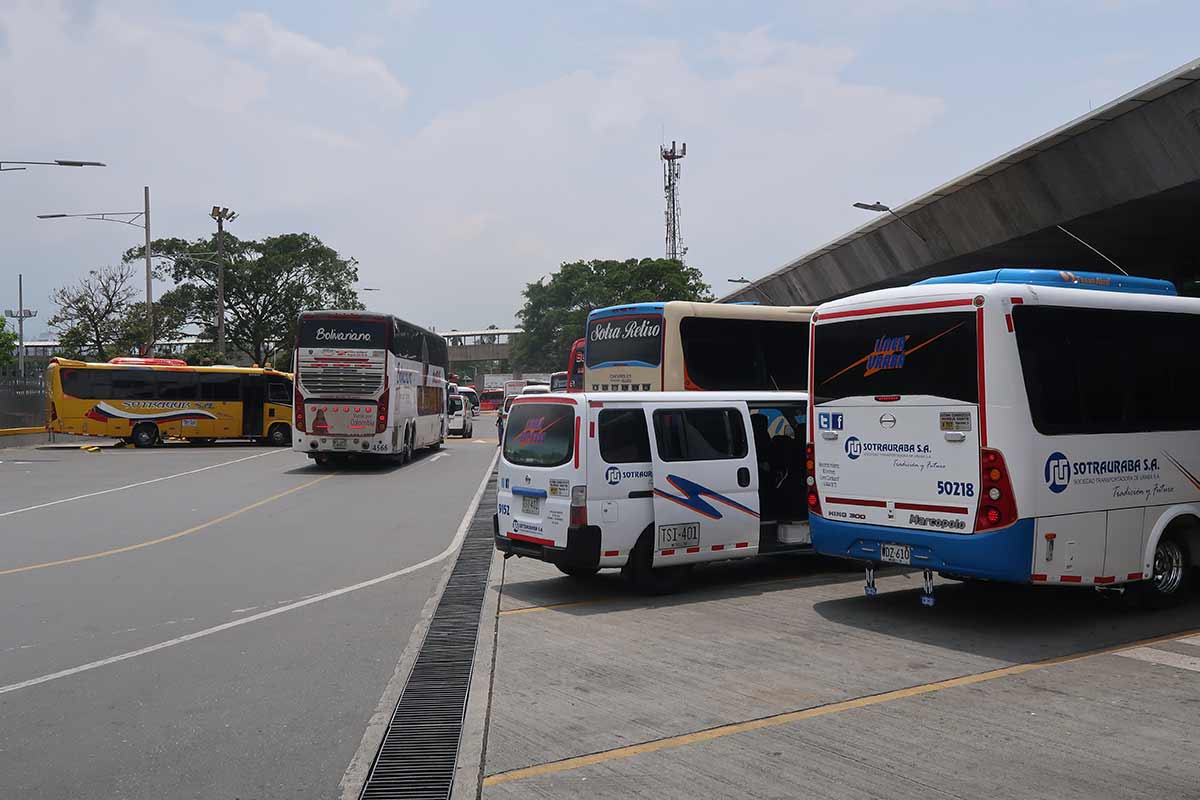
[[671, 168]]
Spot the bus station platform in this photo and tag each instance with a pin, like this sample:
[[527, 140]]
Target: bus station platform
[[778, 678]]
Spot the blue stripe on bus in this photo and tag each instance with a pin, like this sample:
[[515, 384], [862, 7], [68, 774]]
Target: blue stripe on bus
[[623, 311], [1003, 555], [623, 364], [1097, 281]]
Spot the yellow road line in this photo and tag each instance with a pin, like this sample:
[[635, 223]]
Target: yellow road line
[[531, 609], [160, 540], [809, 713]]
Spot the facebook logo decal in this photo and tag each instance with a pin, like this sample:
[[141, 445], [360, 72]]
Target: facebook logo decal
[[831, 421]]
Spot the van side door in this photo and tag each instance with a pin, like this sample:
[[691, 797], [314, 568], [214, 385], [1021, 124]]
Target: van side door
[[705, 478]]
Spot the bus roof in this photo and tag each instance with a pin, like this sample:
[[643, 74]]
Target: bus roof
[[1097, 281], [749, 310], [631, 308], [583, 398]]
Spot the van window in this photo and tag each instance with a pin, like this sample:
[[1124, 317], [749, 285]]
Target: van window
[[699, 434], [1101, 370], [456, 403], [623, 436], [931, 354], [539, 434]]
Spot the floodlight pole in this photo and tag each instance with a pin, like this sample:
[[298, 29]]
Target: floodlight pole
[[20, 316], [149, 274]]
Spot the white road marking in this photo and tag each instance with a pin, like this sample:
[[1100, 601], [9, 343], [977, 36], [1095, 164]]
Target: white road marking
[[1163, 657], [139, 483], [104, 662], [1191, 640], [435, 458], [244, 610]]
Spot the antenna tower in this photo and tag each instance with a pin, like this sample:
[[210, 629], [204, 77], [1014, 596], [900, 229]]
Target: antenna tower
[[671, 168]]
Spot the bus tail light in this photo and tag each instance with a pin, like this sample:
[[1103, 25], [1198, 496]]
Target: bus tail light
[[381, 419], [578, 506], [320, 424], [298, 404], [810, 466], [997, 505]]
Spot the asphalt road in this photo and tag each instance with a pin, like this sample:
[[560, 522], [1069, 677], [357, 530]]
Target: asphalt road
[[105, 554]]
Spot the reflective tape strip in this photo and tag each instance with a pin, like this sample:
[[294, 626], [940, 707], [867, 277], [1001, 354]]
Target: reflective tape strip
[[1071, 578]]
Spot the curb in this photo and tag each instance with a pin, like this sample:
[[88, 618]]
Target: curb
[[22, 431], [472, 745]]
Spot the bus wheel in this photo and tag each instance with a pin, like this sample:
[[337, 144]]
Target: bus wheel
[[279, 435], [648, 579], [145, 434], [321, 459], [406, 454], [1168, 582]]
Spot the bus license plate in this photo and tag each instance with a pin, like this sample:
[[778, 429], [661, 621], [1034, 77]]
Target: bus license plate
[[675, 536], [339, 444], [895, 553], [529, 505]]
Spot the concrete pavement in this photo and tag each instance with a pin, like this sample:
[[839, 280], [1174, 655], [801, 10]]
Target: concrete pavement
[[107, 553]]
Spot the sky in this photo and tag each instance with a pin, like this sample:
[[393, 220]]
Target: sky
[[459, 150]]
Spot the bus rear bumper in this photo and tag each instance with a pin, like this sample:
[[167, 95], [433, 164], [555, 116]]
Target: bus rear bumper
[[582, 550], [377, 444], [1003, 555]]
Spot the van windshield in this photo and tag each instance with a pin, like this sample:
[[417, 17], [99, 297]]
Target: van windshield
[[539, 434], [932, 354]]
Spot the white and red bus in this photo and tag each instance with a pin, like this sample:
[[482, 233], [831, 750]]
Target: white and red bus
[[491, 399], [367, 384], [575, 366]]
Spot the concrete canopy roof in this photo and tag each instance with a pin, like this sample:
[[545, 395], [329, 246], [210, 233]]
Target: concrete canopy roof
[[1131, 162]]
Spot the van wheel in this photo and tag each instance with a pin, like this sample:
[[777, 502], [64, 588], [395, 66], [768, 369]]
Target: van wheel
[[648, 579], [145, 435], [1168, 582], [279, 435], [577, 572]]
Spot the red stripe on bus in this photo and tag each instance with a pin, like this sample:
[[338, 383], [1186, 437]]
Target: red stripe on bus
[[1038, 576], [693, 549], [742, 544], [862, 312], [1071, 579], [668, 552], [718, 547], [1008, 322], [928, 507], [592, 429], [577, 421], [611, 553], [812, 372], [533, 539], [983, 442], [566, 401], [854, 501], [1016, 301], [1134, 576], [1104, 579]]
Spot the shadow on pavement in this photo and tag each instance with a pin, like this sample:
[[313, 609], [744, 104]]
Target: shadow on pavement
[[355, 463], [1010, 622], [609, 590]]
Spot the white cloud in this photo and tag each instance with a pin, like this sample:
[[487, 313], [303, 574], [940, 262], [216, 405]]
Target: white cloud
[[407, 9]]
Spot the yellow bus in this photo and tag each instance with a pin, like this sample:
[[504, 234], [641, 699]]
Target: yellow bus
[[679, 346], [144, 400]]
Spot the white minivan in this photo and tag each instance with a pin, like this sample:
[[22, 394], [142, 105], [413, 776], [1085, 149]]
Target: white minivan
[[458, 416], [652, 482]]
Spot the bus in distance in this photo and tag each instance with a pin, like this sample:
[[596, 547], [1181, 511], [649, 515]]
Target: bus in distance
[[1018, 425], [367, 384], [558, 381], [575, 366], [680, 346], [144, 400]]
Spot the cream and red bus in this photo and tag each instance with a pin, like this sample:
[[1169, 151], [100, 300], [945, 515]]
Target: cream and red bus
[[679, 346]]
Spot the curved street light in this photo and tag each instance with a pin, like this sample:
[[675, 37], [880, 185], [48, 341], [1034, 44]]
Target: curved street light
[[58, 162]]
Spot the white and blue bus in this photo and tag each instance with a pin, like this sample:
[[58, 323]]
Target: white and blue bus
[[1020, 425], [367, 385]]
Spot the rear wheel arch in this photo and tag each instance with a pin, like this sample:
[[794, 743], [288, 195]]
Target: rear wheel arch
[[1182, 522]]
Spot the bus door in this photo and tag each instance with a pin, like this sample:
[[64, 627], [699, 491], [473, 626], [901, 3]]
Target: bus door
[[254, 395], [705, 480]]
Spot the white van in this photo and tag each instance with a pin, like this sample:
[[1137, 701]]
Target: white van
[[652, 482], [1031, 426], [458, 417]]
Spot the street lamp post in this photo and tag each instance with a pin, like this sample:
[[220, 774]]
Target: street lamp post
[[117, 216], [20, 315], [221, 215], [880, 208], [742, 279], [58, 162]]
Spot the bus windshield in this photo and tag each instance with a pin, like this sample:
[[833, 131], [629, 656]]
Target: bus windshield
[[633, 339], [930, 354], [365, 334]]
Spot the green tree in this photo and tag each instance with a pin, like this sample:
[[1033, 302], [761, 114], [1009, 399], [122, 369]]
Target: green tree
[[555, 310], [98, 317], [8, 345], [267, 284]]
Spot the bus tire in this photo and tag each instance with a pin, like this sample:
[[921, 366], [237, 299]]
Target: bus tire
[[1171, 570], [577, 572], [144, 434], [280, 435], [406, 455], [321, 460], [647, 578]]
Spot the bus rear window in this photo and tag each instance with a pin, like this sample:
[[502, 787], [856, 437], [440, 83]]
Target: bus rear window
[[625, 340], [539, 434], [932, 354]]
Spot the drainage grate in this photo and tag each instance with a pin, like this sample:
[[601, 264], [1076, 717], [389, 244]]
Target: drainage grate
[[420, 747]]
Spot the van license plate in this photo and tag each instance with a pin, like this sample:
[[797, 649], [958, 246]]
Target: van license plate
[[895, 553], [529, 505], [674, 536], [339, 444]]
